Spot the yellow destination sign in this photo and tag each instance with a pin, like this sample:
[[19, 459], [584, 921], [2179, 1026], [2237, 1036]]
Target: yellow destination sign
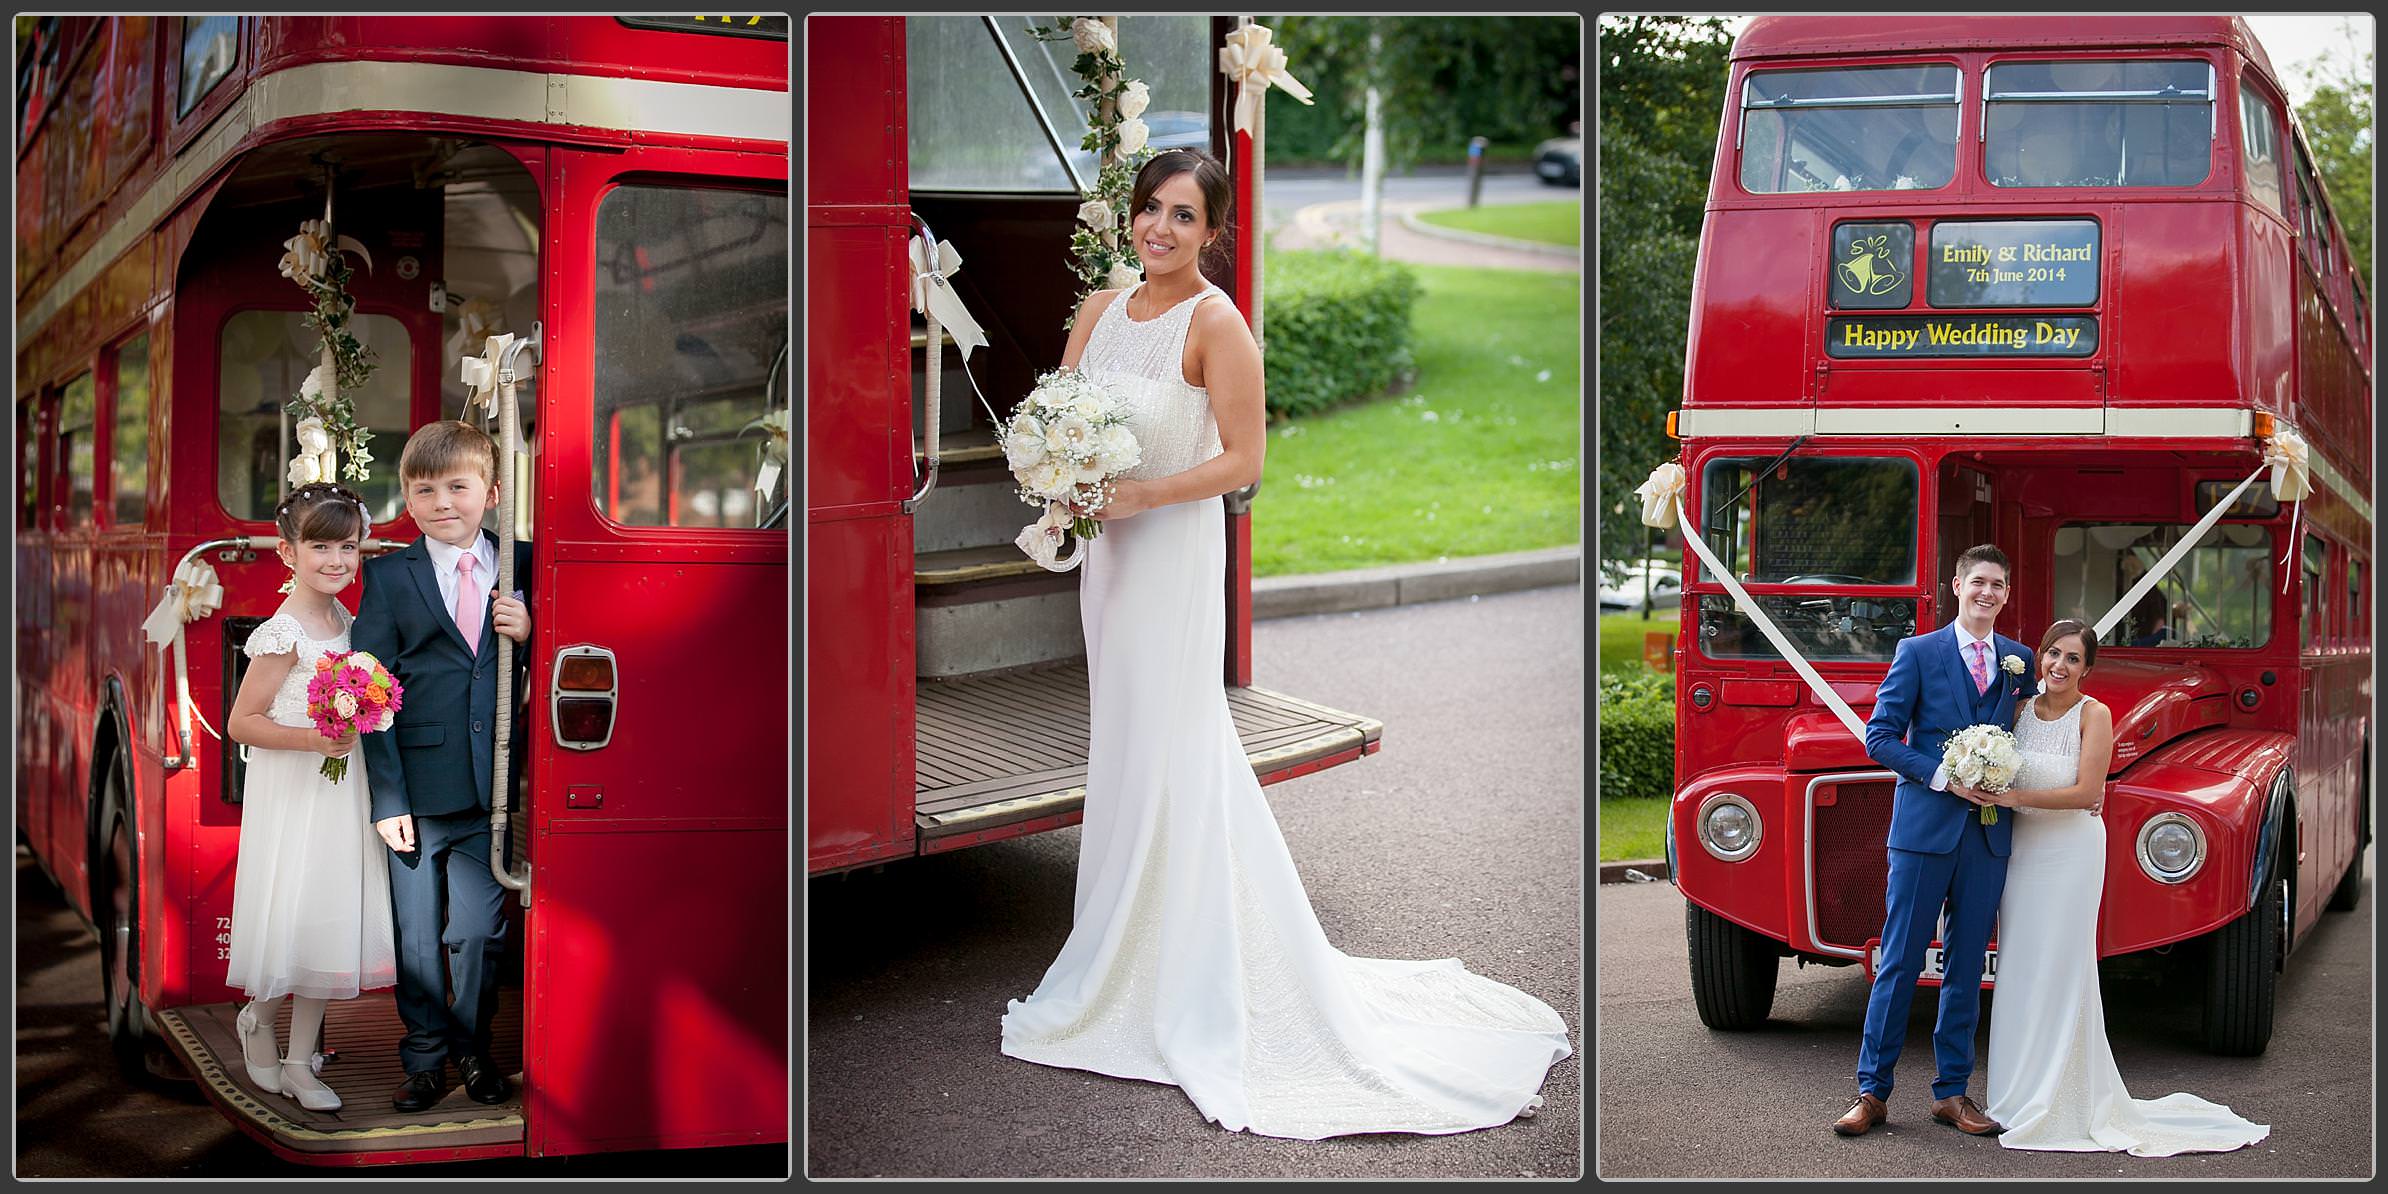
[[1961, 336]]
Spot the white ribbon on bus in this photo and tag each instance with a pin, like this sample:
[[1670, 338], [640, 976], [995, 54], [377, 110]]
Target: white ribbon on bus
[[1662, 507], [194, 593]]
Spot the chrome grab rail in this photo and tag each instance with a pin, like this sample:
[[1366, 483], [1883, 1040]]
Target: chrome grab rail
[[510, 431]]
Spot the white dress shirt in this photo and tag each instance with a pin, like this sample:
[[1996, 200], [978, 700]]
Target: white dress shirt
[[1965, 641], [443, 566]]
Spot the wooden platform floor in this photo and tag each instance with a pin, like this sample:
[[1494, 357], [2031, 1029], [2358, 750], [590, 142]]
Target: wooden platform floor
[[996, 749], [362, 1034]]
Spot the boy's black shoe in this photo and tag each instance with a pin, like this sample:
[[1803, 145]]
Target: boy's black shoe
[[481, 1078], [422, 1089]]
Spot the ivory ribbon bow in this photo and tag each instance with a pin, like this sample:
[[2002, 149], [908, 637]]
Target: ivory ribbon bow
[[932, 294], [1660, 493], [192, 594], [1042, 540], [309, 253], [480, 376], [1255, 65], [2292, 476]]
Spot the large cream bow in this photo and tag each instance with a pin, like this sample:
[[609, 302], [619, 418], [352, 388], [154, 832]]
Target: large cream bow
[[193, 594], [1042, 540], [310, 251], [932, 294], [480, 376], [2292, 475], [1660, 493], [1255, 65]]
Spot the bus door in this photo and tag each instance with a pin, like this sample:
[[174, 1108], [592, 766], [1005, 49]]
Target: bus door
[[1965, 520], [656, 969]]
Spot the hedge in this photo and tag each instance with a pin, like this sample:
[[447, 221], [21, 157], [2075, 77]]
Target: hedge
[[1338, 328], [1637, 734]]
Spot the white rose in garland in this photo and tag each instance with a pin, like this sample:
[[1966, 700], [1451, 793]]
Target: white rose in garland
[[1093, 36], [312, 438], [1123, 276], [1132, 135], [1096, 214], [1133, 99], [305, 470]]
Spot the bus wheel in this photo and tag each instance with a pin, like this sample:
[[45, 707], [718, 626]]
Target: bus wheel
[[1733, 970], [119, 920], [2242, 969], [2349, 891]]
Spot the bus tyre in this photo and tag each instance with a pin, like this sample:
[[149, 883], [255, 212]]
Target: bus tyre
[[117, 913], [1733, 970], [2241, 972]]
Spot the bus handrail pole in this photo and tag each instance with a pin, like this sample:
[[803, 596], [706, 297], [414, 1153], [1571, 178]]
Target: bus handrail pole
[[509, 434]]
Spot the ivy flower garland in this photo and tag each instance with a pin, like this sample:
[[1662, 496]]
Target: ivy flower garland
[[1117, 134], [330, 439]]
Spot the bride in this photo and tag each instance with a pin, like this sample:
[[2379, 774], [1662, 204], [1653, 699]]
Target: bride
[[2052, 1079], [1194, 958]]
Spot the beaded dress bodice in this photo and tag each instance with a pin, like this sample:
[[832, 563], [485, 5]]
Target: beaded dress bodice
[[2051, 749], [1143, 362]]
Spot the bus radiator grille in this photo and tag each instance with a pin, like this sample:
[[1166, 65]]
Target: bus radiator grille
[[1847, 862]]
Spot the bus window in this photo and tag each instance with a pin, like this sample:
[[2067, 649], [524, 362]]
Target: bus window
[[2098, 124], [128, 443], [29, 439], [2259, 147], [2218, 595], [76, 416], [2317, 565], [1891, 128], [1809, 520], [210, 49], [2358, 614], [691, 335], [265, 357]]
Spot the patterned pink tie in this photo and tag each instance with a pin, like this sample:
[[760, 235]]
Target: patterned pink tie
[[468, 604], [1981, 668]]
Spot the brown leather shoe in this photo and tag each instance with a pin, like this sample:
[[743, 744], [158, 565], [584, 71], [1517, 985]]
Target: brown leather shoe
[[1959, 1112], [1864, 1112]]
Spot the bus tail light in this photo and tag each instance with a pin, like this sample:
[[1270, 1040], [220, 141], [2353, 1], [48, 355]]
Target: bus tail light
[[1672, 426], [581, 699], [2263, 425]]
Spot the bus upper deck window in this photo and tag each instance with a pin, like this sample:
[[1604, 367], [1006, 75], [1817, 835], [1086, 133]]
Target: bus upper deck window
[[1887, 128], [210, 49], [2259, 147], [2098, 124]]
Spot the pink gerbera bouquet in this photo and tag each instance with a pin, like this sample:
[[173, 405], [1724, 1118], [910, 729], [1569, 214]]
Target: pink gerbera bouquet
[[350, 693]]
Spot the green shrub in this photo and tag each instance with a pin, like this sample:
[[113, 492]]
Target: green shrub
[[1338, 328], [1637, 734]]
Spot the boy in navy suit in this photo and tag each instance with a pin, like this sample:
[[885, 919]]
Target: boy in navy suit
[[431, 614], [1940, 852]]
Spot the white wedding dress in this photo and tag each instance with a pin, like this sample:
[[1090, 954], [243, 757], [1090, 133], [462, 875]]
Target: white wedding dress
[[2052, 1079], [1193, 956]]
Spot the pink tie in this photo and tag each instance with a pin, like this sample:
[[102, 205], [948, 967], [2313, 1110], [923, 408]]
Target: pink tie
[[468, 604], [1981, 669]]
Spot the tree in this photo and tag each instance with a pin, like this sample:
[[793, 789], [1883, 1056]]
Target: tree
[[1662, 82], [1441, 80], [2338, 128]]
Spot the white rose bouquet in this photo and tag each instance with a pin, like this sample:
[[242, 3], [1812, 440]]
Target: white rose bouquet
[[1066, 440], [1985, 757]]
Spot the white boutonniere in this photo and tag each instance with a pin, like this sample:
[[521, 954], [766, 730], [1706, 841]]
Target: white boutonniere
[[2013, 665]]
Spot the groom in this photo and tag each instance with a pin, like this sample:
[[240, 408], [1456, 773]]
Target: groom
[[1940, 852]]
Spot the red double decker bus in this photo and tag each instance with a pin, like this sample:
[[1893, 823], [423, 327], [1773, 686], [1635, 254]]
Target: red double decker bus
[[617, 190], [947, 670], [2050, 285]]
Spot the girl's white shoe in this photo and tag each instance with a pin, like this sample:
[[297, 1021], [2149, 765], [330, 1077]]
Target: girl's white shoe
[[299, 1082], [257, 1050]]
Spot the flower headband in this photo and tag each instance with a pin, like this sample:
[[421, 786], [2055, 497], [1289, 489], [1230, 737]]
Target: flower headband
[[324, 491]]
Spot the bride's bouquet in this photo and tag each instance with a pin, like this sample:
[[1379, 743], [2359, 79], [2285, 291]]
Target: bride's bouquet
[[350, 693], [1068, 438], [1985, 757]]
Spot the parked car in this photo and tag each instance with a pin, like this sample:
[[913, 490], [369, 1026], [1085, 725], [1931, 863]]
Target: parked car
[[1621, 585], [1560, 161]]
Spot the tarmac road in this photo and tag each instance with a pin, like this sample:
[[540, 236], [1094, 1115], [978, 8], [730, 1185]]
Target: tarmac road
[[1462, 838], [1677, 1100]]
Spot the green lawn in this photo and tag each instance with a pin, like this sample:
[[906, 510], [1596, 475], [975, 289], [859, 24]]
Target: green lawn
[[1556, 223], [1621, 638], [1632, 829], [1481, 455]]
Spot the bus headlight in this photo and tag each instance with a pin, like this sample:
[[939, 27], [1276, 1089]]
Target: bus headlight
[[2171, 848], [1729, 827]]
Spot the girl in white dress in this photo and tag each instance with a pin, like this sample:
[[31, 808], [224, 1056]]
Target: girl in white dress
[[311, 889], [2053, 1081], [1194, 958]]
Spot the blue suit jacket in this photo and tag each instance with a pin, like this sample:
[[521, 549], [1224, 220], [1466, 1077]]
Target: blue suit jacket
[[435, 757], [1927, 697]]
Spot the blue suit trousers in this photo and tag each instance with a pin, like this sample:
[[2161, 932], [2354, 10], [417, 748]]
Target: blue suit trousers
[[1969, 881]]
